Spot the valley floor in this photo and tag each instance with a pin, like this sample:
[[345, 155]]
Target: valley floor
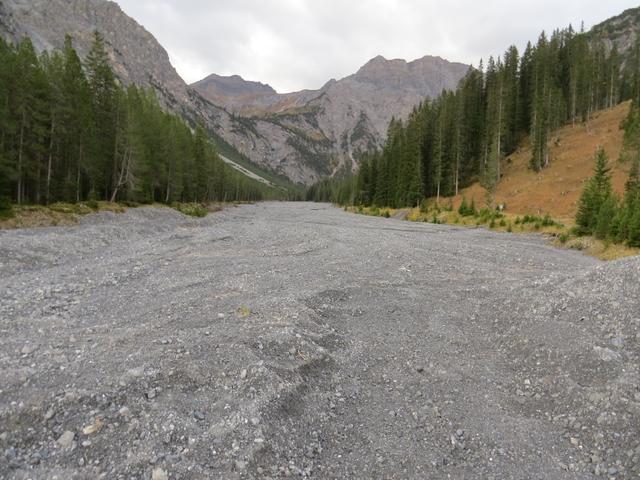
[[284, 339]]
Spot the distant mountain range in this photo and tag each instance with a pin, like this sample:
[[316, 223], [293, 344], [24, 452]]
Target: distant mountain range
[[304, 135], [349, 116]]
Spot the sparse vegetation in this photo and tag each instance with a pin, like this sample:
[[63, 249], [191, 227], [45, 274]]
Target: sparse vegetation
[[602, 214], [191, 209]]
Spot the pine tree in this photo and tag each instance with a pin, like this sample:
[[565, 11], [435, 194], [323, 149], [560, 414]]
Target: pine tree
[[106, 116], [597, 192]]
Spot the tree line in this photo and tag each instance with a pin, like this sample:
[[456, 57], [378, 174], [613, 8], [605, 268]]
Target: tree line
[[462, 136], [69, 131]]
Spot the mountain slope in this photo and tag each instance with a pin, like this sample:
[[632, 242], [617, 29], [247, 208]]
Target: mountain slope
[[138, 58], [352, 113], [556, 190], [621, 31], [220, 89]]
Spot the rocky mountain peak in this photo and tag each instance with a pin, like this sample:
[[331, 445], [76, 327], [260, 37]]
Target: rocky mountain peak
[[231, 86]]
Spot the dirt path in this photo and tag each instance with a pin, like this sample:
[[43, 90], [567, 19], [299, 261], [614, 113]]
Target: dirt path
[[281, 340]]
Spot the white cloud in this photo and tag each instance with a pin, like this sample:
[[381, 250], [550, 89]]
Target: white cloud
[[296, 44]]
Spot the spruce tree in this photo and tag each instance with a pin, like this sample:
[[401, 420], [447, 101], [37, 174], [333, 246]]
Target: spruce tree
[[597, 192]]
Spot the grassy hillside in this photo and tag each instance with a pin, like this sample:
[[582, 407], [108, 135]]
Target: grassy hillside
[[556, 189], [543, 202]]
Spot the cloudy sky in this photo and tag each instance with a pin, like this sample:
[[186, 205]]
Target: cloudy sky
[[296, 44]]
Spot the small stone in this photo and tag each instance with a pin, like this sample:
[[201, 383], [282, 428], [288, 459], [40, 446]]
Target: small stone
[[420, 369], [49, 414], [240, 465], [243, 373], [460, 433], [617, 342], [151, 394], [159, 474], [124, 412], [95, 427], [66, 439], [28, 349], [574, 441], [198, 415], [86, 443], [255, 421], [612, 471]]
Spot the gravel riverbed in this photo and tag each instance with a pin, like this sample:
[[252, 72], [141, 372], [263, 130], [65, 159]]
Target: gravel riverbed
[[296, 340]]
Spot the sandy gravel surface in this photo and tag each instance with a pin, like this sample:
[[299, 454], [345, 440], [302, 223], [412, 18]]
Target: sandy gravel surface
[[296, 340]]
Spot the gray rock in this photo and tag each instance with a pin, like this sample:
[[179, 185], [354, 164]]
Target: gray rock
[[66, 439], [159, 474]]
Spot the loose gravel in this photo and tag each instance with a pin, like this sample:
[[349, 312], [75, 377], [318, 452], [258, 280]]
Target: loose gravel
[[296, 340]]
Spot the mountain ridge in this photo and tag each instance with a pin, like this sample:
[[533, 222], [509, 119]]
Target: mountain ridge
[[351, 113]]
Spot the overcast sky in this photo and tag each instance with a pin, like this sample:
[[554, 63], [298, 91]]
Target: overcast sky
[[296, 44]]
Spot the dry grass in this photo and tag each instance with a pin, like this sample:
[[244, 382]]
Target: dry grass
[[558, 233], [57, 214], [598, 248], [556, 189]]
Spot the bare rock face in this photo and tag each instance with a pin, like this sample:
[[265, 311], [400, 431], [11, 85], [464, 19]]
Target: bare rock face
[[349, 116], [135, 54], [224, 91], [622, 31]]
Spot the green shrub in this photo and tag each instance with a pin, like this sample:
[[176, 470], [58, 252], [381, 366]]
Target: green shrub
[[92, 204], [386, 214], [563, 237], [191, 209], [467, 210]]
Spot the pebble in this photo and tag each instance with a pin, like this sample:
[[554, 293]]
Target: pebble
[[28, 349], [243, 373], [49, 414], [159, 474], [66, 439], [124, 412], [151, 394], [198, 415]]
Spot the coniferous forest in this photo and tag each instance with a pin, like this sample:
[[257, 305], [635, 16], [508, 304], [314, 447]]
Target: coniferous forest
[[70, 132], [461, 137]]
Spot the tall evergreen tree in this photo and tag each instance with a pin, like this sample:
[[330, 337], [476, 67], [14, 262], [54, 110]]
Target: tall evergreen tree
[[597, 193]]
